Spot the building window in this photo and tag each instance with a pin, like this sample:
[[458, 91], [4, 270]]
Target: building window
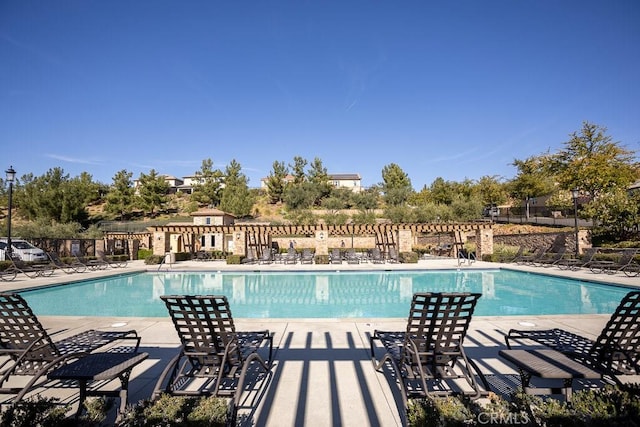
[[207, 221], [203, 242], [213, 241]]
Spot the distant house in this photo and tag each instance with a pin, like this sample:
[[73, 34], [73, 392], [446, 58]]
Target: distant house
[[173, 183], [352, 181], [189, 182]]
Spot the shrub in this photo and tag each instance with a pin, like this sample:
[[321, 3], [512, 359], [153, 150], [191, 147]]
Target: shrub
[[154, 259], [144, 253], [37, 411], [234, 259], [177, 411], [321, 259], [408, 257]]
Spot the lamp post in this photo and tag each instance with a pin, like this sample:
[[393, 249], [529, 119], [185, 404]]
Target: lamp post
[[574, 195], [11, 176]]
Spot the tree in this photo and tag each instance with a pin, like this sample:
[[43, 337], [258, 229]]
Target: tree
[[54, 196], [441, 191], [491, 190], [208, 184], [152, 191], [297, 169], [236, 197], [396, 185], [276, 182], [533, 180], [300, 196], [121, 195], [617, 213], [593, 163], [319, 177]]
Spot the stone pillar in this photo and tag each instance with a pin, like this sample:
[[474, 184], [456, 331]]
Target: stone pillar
[[100, 248], [161, 243], [405, 239], [134, 245], [584, 241], [484, 242], [240, 243], [322, 247]]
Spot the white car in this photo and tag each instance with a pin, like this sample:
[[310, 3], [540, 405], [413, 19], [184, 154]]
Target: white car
[[24, 250]]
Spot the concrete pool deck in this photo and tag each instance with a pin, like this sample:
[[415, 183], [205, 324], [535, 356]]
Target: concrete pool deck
[[322, 372]]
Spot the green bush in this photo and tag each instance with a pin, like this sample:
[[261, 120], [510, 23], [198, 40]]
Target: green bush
[[144, 253], [408, 257], [177, 411], [234, 259], [153, 259], [609, 405], [321, 259]]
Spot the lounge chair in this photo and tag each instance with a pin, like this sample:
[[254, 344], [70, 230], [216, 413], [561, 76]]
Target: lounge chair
[[291, 257], [428, 359], [266, 257], [75, 267], [251, 257], [531, 259], [101, 257], [351, 256], [393, 255], [376, 256], [335, 257], [576, 263], [29, 270], [29, 351], [307, 256], [555, 258], [625, 260], [214, 357], [615, 354], [513, 258]]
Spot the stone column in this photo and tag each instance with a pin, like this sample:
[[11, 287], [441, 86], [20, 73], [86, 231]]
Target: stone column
[[134, 245], [161, 243], [405, 239], [484, 242], [322, 247], [240, 243], [100, 247]]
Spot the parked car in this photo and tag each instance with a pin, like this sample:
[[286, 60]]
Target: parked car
[[24, 250], [491, 211]]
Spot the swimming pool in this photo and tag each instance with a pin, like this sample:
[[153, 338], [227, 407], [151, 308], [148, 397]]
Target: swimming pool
[[327, 294]]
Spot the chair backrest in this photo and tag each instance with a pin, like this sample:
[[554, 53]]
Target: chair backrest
[[20, 329], [206, 329], [626, 257], [589, 254], [55, 259], [266, 255], [438, 322], [621, 336]]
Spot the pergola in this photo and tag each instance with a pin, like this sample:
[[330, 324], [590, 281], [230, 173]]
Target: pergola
[[259, 235]]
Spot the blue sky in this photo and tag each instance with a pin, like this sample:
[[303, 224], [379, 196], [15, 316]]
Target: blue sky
[[451, 89]]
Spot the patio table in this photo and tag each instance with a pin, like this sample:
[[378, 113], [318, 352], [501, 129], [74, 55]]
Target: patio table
[[548, 364]]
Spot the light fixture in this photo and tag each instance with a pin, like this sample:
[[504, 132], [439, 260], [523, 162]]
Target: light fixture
[[11, 176]]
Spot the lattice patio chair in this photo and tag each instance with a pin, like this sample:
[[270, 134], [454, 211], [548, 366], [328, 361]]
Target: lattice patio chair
[[30, 351], [214, 358], [428, 358], [615, 353]]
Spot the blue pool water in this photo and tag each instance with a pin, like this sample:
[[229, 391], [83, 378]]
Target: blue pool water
[[327, 294]]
